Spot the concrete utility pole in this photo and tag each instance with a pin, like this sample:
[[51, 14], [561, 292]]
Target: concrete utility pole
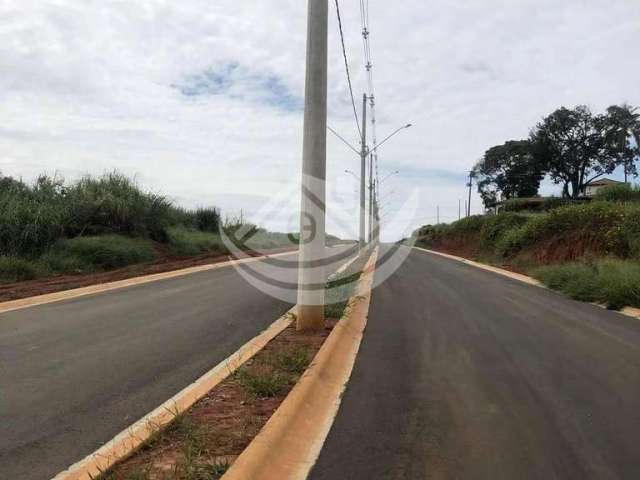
[[470, 185], [376, 223], [311, 273], [363, 172], [371, 193]]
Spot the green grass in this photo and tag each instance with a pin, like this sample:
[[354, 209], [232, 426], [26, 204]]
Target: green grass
[[102, 252], [599, 228], [15, 269], [338, 292], [495, 227], [619, 193], [189, 242], [262, 383], [615, 283], [294, 360]]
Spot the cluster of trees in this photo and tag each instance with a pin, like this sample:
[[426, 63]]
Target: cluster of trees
[[572, 146]]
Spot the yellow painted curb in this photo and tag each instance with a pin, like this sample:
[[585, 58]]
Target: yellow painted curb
[[130, 282], [128, 440], [628, 311], [289, 444], [631, 312]]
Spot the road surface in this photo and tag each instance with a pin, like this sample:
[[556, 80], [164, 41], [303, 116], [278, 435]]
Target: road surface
[[465, 374], [73, 374]]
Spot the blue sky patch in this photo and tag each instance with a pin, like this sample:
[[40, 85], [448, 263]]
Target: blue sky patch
[[238, 82]]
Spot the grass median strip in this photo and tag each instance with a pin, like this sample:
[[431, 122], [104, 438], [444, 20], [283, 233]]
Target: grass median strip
[[204, 441]]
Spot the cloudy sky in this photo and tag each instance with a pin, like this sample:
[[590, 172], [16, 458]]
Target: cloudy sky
[[201, 100]]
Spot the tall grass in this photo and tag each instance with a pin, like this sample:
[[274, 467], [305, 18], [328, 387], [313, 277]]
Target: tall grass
[[15, 269], [102, 252], [98, 223], [114, 203], [188, 242], [615, 283]]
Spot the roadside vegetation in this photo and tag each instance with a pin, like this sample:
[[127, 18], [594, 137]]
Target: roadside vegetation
[[590, 251], [102, 223]]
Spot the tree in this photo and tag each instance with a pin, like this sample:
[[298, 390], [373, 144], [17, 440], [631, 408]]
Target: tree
[[509, 171], [623, 123], [573, 146]]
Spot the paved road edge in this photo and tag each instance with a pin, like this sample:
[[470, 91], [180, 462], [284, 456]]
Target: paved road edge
[[628, 311], [128, 440], [130, 282], [289, 444]]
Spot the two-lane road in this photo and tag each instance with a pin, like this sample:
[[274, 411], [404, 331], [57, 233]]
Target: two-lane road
[[464, 374], [75, 373]]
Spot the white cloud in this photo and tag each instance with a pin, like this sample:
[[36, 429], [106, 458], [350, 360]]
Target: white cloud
[[86, 86]]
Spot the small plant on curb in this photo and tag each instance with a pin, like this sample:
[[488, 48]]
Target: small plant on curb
[[294, 360]]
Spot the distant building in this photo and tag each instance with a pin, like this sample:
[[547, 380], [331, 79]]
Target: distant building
[[592, 188]]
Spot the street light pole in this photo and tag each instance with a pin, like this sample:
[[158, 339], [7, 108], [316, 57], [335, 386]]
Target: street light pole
[[371, 198], [363, 172], [311, 274]]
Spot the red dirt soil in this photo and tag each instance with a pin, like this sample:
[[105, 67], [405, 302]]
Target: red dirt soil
[[164, 263]]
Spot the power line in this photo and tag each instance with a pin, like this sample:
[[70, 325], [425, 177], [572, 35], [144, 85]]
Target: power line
[[346, 66]]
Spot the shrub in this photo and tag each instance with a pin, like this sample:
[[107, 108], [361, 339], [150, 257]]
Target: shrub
[[99, 252], [14, 269], [496, 226], [619, 193], [467, 226], [185, 241], [608, 228], [467, 229]]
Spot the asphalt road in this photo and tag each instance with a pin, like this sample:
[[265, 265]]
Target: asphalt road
[[73, 374], [465, 374]]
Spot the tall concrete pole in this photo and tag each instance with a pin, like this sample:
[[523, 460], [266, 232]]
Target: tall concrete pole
[[376, 227], [371, 198], [363, 173], [470, 188], [311, 274]]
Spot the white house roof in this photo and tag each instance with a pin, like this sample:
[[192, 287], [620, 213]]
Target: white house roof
[[604, 181]]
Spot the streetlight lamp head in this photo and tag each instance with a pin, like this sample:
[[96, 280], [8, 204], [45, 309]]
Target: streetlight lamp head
[[409, 125]]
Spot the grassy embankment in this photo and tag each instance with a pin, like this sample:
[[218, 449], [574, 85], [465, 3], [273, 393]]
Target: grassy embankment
[[99, 224], [589, 251]]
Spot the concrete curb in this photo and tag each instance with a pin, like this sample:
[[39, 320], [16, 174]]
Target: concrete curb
[[289, 444], [628, 311], [130, 282], [128, 440]]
